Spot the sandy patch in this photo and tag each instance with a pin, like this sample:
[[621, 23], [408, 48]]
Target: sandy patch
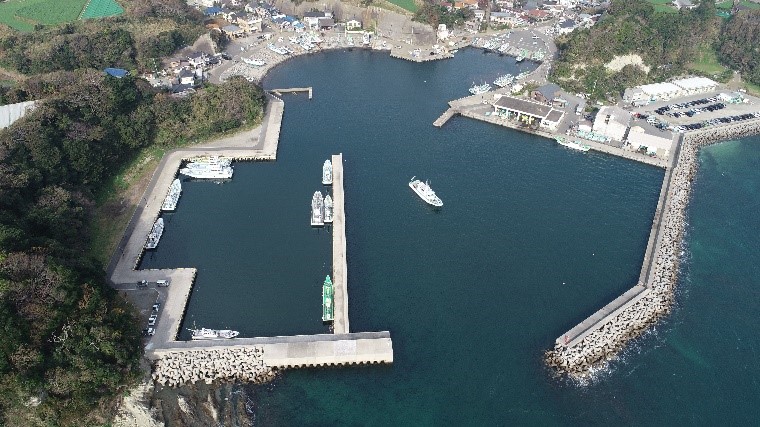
[[617, 63]]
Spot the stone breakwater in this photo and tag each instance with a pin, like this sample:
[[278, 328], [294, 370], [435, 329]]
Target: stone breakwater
[[177, 368], [611, 334]]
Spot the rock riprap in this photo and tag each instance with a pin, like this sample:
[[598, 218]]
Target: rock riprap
[[177, 368]]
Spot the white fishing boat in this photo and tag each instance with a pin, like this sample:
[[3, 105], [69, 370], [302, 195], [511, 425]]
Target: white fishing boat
[[327, 175], [478, 89], [575, 145], [256, 62], [328, 209], [317, 210], [504, 80], [213, 334], [208, 168], [519, 58], [425, 192], [170, 202], [155, 234]]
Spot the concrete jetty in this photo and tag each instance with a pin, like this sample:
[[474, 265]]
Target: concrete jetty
[[340, 267], [255, 359], [600, 337], [448, 114], [279, 92]]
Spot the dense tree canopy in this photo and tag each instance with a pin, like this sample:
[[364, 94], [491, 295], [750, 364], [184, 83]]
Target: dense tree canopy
[[69, 342], [739, 44], [666, 42]]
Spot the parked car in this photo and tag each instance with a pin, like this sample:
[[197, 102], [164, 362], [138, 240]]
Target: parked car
[[162, 283], [152, 320], [142, 284], [149, 331], [156, 306]]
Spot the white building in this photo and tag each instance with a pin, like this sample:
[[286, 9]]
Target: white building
[[12, 112], [612, 122], [353, 25], [655, 143], [694, 85], [443, 32]]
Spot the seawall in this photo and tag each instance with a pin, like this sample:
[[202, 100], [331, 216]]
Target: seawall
[[600, 337]]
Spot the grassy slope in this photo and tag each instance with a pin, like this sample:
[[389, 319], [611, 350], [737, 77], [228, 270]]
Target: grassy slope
[[409, 5], [707, 61]]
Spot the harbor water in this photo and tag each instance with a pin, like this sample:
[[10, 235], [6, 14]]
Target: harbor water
[[532, 238]]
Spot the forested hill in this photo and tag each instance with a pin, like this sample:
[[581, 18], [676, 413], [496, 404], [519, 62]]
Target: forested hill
[[666, 42], [70, 344], [740, 44]]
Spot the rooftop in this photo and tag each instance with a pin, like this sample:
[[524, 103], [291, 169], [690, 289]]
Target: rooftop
[[520, 105]]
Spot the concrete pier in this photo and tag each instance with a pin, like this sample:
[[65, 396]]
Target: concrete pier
[[445, 117], [279, 92], [302, 350], [340, 268]]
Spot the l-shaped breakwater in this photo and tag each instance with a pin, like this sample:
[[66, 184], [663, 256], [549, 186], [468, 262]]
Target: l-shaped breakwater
[[601, 336]]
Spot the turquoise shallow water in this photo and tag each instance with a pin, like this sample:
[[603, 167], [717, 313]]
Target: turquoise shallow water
[[532, 238]]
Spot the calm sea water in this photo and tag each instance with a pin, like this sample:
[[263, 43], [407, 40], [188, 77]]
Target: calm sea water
[[532, 238]]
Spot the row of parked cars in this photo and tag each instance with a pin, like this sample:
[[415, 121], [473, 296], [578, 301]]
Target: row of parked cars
[[718, 121], [151, 330], [683, 105]]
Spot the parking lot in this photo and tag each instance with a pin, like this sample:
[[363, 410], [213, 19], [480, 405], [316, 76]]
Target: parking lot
[[700, 111]]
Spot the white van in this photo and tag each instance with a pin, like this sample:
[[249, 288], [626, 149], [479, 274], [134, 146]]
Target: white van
[[162, 283]]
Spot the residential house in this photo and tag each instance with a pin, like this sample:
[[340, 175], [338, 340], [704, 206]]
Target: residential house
[[537, 15], [197, 59], [325, 23], [353, 25], [249, 23], [546, 93], [311, 19], [480, 15], [565, 27], [233, 31], [186, 77]]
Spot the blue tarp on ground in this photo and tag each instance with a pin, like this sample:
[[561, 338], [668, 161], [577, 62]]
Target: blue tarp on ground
[[211, 11], [116, 72]]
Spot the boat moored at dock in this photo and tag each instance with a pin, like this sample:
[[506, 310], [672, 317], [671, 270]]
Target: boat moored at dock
[[170, 202], [328, 209], [478, 89], [327, 175], [425, 192], [155, 234], [213, 334], [575, 145], [328, 301], [317, 210], [209, 168]]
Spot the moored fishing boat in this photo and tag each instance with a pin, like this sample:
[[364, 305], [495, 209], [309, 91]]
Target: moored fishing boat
[[172, 197], [575, 145], [155, 234], [478, 89], [327, 176], [328, 209], [317, 210], [328, 303], [213, 334]]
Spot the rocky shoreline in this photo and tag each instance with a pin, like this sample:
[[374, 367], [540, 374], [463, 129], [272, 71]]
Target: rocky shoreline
[[615, 331], [178, 368]]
